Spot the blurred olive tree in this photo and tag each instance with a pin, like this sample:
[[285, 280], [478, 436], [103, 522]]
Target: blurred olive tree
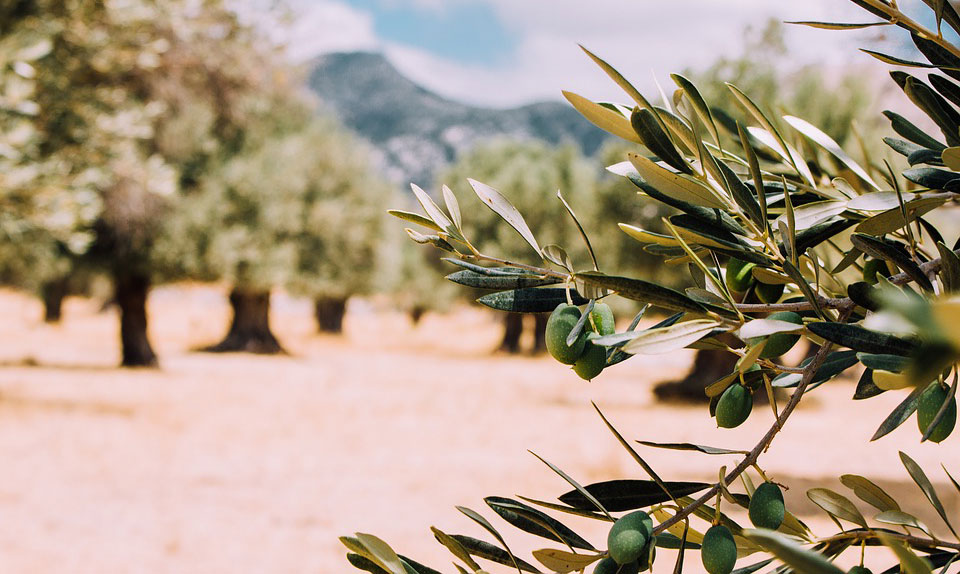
[[297, 206], [532, 172], [119, 107]]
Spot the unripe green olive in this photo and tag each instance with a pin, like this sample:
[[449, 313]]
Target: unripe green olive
[[593, 359], [780, 343], [859, 570], [628, 537], [559, 325], [766, 506], [610, 566], [769, 292], [734, 406], [602, 316], [928, 405], [718, 550], [739, 275]]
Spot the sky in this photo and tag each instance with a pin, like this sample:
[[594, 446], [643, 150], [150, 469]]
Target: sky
[[502, 53]]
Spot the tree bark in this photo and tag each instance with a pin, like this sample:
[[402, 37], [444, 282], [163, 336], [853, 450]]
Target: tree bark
[[416, 313], [131, 289], [329, 312], [53, 293], [250, 328], [512, 329], [708, 366], [540, 332]]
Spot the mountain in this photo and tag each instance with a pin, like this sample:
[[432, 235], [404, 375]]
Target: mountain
[[417, 132]]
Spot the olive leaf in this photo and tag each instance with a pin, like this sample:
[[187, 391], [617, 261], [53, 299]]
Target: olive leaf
[[499, 204]]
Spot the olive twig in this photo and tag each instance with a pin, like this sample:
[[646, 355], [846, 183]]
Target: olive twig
[[751, 458]]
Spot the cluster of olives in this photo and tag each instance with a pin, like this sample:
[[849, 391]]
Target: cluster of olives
[[766, 510], [587, 358], [740, 279], [929, 404], [631, 544]]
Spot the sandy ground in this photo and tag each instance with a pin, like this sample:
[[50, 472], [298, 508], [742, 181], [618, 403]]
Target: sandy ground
[[237, 463]]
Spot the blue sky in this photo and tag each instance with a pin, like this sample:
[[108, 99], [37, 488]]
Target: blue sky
[[508, 52]]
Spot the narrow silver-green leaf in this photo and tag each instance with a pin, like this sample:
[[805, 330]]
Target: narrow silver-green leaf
[[689, 446], [499, 204], [829, 144], [455, 548], [383, 555], [765, 327], [840, 25], [920, 477], [453, 206], [563, 562], [574, 484], [699, 105], [583, 234], [675, 185], [949, 268], [604, 118], [837, 505], [415, 218], [672, 338], [900, 518], [474, 516]]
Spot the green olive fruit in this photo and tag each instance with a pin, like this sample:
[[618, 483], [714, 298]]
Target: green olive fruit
[[739, 275], [769, 292], [734, 406], [559, 325], [859, 570], [602, 316], [780, 343], [718, 550], [593, 359], [610, 566], [929, 405], [874, 267], [766, 506], [628, 537]]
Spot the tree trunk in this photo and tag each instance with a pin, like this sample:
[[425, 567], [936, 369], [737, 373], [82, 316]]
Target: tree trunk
[[512, 329], [53, 293], [329, 312], [540, 332], [250, 328], [131, 289], [708, 366], [416, 313]]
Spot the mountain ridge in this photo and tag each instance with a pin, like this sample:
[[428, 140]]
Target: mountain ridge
[[415, 131]]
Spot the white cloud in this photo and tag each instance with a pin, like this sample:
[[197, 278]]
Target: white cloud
[[327, 26], [639, 38]]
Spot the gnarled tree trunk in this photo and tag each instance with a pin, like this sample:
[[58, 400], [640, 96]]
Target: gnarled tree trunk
[[53, 293], [512, 330], [250, 328], [416, 313], [131, 289], [329, 312]]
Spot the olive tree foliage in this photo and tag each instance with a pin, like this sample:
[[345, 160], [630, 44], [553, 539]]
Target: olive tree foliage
[[802, 91], [864, 274], [535, 172], [125, 103], [339, 243]]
